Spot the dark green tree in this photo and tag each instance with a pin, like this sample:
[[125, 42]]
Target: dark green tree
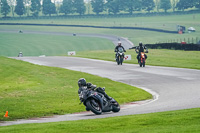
[[79, 6], [5, 8], [185, 4], [11, 3], [115, 6], [67, 7], [48, 7], [165, 5], [35, 7], [98, 6], [173, 4], [157, 5], [197, 4], [27, 4], [19, 8], [132, 5], [148, 5]]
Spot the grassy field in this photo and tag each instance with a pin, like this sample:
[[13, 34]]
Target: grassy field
[[28, 90], [183, 121], [160, 22], [35, 44], [156, 57]]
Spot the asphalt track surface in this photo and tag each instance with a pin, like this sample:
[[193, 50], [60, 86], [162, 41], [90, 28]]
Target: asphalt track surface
[[172, 88]]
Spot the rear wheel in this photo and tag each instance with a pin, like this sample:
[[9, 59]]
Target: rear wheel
[[94, 106]]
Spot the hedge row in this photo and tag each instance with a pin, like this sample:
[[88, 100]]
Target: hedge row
[[175, 46]]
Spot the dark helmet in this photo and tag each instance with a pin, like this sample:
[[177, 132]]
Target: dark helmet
[[81, 82], [140, 44]]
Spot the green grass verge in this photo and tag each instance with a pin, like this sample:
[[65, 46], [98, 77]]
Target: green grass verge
[[36, 44], [160, 22], [156, 57], [182, 121], [28, 90]]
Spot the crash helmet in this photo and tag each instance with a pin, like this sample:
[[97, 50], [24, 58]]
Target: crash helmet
[[119, 43], [81, 82], [140, 44]]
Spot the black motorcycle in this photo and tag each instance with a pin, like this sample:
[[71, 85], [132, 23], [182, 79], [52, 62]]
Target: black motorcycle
[[120, 56], [97, 102]]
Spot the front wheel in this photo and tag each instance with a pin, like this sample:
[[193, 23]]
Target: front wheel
[[140, 63], [94, 106], [144, 64], [121, 60], [115, 107]]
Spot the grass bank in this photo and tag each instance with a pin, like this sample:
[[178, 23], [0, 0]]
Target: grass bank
[[40, 44], [182, 121], [156, 57], [28, 90]]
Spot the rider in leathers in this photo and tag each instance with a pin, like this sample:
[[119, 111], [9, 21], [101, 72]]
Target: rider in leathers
[[139, 49], [89, 86], [117, 48]]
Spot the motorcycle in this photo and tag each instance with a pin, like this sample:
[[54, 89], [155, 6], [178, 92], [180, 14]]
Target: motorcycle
[[142, 59], [120, 56], [97, 102], [142, 56]]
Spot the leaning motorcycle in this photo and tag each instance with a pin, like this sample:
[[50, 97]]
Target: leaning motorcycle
[[120, 56], [97, 102]]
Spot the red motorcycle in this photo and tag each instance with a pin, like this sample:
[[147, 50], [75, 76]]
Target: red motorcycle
[[142, 59]]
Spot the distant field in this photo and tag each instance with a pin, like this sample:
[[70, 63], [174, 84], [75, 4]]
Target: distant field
[[163, 22], [35, 45], [159, 22]]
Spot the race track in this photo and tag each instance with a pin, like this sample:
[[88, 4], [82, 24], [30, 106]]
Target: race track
[[114, 39], [172, 88]]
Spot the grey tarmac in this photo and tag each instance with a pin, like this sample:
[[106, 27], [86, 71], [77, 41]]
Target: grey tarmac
[[172, 88]]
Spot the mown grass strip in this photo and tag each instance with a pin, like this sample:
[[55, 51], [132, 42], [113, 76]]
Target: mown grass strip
[[156, 57], [182, 121]]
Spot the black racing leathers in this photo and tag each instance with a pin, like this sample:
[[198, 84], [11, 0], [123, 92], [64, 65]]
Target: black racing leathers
[[117, 48], [141, 49]]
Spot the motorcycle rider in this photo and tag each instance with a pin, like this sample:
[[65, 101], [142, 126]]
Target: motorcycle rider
[[89, 86], [20, 54], [117, 48], [140, 49]]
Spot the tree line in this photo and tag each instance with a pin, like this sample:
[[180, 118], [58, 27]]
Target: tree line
[[49, 7]]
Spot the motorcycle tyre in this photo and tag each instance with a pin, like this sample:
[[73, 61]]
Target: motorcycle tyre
[[118, 61], [144, 64], [121, 60], [140, 64], [90, 107], [116, 108]]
